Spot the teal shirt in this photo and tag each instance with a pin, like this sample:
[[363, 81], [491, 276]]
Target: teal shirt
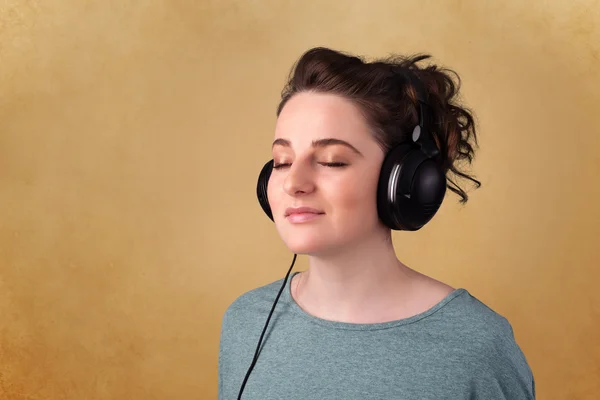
[[459, 349]]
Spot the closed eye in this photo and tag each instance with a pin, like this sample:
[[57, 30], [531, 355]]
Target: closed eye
[[332, 165], [278, 166]]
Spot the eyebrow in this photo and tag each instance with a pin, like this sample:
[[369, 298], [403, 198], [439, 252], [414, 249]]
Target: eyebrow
[[320, 143]]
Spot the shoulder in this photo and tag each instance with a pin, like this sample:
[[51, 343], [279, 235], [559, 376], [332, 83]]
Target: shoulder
[[486, 339], [251, 302], [461, 313], [478, 324]]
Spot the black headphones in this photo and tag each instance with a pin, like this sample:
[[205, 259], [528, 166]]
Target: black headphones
[[411, 184]]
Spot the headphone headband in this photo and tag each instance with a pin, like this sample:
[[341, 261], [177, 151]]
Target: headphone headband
[[422, 135]]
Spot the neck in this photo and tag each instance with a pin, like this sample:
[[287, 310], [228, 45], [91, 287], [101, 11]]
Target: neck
[[354, 283]]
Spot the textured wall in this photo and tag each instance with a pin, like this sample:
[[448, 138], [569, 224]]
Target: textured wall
[[132, 133]]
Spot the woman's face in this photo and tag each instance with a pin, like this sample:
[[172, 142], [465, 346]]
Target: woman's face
[[326, 159]]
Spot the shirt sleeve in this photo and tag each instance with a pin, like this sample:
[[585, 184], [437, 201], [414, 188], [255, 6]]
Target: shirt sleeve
[[503, 372]]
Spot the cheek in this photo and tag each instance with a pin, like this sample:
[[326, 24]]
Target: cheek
[[274, 193], [356, 194]]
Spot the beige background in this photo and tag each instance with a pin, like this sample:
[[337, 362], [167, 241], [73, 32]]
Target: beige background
[[132, 133]]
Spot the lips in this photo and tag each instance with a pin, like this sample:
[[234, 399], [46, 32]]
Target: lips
[[302, 211], [301, 215]]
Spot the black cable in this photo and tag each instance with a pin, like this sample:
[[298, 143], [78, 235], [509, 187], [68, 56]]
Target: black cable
[[265, 328]]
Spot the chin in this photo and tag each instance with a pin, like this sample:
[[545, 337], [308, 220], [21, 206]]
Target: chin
[[311, 241], [307, 246], [304, 241], [315, 239]]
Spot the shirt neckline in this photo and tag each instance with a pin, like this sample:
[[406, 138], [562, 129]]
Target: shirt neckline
[[365, 326]]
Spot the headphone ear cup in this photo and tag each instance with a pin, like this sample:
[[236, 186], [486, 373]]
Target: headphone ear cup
[[387, 189], [427, 192], [411, 189], [261, 188]]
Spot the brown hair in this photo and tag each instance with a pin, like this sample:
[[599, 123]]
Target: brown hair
[[389, 104]]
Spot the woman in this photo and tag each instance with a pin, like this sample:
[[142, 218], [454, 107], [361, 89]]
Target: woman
[[360, 324]]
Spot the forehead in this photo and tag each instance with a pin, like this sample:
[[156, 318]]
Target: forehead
[[308, 116]]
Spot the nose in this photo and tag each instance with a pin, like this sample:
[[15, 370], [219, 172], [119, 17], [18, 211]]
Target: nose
[[299, 179]]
